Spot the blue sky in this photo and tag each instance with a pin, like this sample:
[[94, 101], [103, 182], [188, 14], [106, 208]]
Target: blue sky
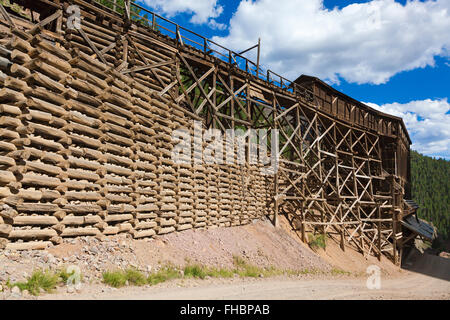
[[391, 54]]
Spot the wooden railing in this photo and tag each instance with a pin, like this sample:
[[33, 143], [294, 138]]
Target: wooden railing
[[184, 36]]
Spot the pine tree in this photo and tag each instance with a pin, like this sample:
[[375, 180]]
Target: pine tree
[[430, 181]]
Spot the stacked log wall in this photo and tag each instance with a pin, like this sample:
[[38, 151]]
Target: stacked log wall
[[86, 150]]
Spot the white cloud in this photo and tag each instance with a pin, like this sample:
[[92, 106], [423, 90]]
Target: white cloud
[[203, 11], [363, 43], [428, 123], [213, 24]]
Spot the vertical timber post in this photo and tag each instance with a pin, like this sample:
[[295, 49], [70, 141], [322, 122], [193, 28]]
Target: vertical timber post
[[342, 230], [394, 239], [153, 21], [379, 232], [303, 223], [257, 58], [275, 217], [128, 9]]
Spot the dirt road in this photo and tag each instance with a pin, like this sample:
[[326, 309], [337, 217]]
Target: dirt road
[[408, 286], [428, 277]]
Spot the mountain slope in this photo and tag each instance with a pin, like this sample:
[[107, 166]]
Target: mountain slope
[[430, 180]]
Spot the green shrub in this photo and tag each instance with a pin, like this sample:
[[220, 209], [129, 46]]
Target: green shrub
[[318, 241], [336, 271], [201, 272], [164, 274], [115, 279], [244, 269], [135, 277], [119, 278], [220, 273], [195, 271], [45, 280]]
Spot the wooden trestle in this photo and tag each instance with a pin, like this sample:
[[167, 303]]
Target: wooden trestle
[[343, 166]]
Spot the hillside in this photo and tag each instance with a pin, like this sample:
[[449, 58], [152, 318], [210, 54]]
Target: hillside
[[430, 186]]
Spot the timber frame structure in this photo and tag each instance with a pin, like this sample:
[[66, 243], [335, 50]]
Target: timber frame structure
[[344, 167]]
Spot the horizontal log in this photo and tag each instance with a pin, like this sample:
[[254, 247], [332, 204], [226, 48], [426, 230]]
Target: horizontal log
[[77, 232], [82, 208], [82, 174], [42, 168], [78, 62], [91, 219], [125, 227], [82, 140], [86, 130], [19, 57], [86, 105], [83, 164], [51, 59], [85, 141], [113, 118], [37, 180], [20, 44], [125, 132], [7, 146], [111, 230], [7, 161], [38, 41], [143, 233], [82, 196], [49, 131], [182, 227], [92, 79], [6, 177], [118, 160], [51, 97], [118, 189], [33, 245], [16, 84], [91, 154], [8, 95], [8, 109], [41, 142], [46, 69], [145, 225], [32, 234], [37, 207], [35, 220], [46, 106], [83, 86], [42, 80], [5, 230], [165, 230], [48, 157], [39, 116], [73, 220], [118, 198], [118, 170], [75, 116], [118, 110], [118, 217], [9, 134], [19, 71]]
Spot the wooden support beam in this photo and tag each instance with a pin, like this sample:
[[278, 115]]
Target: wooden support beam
[[92, 45], [7, 17], [38, 27]]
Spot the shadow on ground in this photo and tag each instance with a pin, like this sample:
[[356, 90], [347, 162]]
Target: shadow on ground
[[428, 264]]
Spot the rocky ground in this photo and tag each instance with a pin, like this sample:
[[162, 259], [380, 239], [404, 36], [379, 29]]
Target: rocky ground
[[259, 243]]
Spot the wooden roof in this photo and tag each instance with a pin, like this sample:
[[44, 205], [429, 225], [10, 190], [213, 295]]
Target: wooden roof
[[306, 81]]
